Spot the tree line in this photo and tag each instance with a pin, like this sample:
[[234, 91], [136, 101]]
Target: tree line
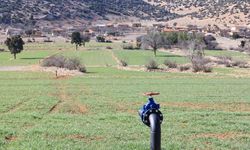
[[155, 40], [15, 43]]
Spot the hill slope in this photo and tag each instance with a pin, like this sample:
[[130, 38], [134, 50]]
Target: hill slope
[[217, 11], [28, 12]]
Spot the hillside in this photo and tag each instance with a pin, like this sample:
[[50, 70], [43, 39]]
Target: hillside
[[221, 12], [25, 12]]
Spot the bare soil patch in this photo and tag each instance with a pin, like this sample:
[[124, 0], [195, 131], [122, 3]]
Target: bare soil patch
[[37, 68], [10, 138], [229, 107], [67, 103]]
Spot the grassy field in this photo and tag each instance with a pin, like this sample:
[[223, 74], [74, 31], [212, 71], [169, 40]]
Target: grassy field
[[139, 57], [234, 54], [99, 109]]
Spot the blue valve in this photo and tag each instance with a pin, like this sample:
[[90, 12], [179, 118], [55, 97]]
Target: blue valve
[[149, 108]]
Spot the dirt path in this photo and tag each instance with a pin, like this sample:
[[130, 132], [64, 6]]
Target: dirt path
[[12, 68], [114, 57], [67, 103]]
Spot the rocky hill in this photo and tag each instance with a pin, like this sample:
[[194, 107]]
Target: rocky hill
[[42, 12], [218, 11], [26, 12]]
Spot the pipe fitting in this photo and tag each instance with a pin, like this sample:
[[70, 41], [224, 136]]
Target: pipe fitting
[[150, 108]]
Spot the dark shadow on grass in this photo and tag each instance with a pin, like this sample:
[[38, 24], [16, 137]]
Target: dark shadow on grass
[[168, 56], [33, 58]]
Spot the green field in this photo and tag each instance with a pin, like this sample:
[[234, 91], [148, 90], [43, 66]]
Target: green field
[[139, 57], [234, 54], [98, 110]]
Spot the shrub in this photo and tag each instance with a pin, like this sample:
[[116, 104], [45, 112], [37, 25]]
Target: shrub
[[82, 68], [62, 62], [200, 64], [170, 64], [207, 69], [152, 64], [54, 61], [48, 40], [100, 39], [240, 64], [72, 63], [109, 47], [108, 41], [128, 46], [184, 67], [225, 57], [236, 36], [29, 41], [123, 63], [225, 60]]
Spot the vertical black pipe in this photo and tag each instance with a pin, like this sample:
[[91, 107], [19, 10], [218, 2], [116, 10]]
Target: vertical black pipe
[[155, 126]]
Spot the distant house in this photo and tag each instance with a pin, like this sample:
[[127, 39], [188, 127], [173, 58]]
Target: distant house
[[89, 32], [158, 26], [100, 25], [57, 32], [175, 29], [169, 29], [123, 27], [110, 25], [13, 31], [181, 28]]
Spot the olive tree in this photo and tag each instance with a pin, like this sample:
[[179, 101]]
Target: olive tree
[[14, 44], [78, 39]]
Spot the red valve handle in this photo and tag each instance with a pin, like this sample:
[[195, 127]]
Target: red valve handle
[[151, 93]]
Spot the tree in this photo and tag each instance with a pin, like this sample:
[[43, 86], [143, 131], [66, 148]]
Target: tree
[[15, 44], [85, 38], [153, 39], [139, 42], [100, 39], [78, 39]]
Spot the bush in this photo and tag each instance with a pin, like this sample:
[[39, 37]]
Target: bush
[[100, 39], [29, 41], [240, 64], [123, 63], [82, 68], [151, 65], [200, 64], [184, 67], [225, 60], [109, 47], [236, 36], [54, 61], [72, 63], [48, 40], [128, 46], [62, 62], [170, 64], [207, 69]]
